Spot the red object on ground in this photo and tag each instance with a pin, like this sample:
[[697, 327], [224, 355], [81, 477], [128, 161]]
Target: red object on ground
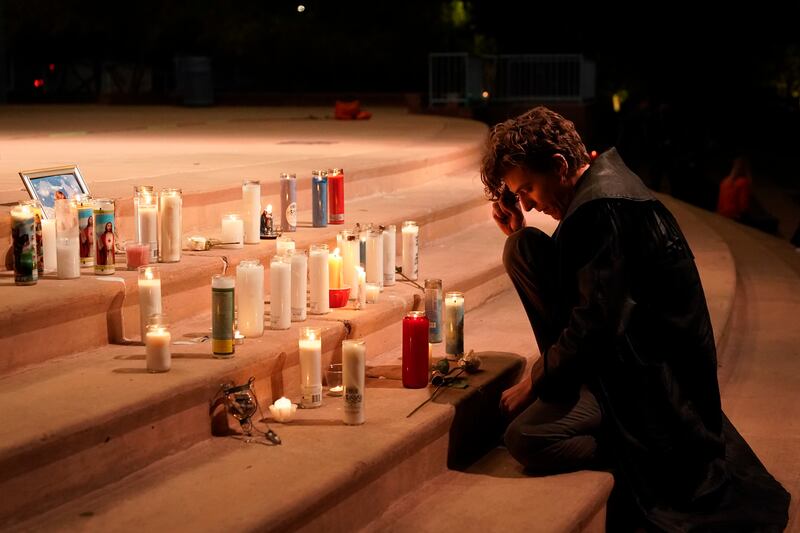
[[350, 111], [336, 196], [416, 366], [734, 196]]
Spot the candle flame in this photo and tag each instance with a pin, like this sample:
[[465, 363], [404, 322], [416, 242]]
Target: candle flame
[[336, 252], [148, 273], [269, 209]]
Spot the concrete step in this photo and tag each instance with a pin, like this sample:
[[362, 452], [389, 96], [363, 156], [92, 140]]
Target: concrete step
[[107, 417], [105, 308], [494, 495]]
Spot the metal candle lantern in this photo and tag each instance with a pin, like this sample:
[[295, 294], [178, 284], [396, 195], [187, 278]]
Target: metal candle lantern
[[242, 404]]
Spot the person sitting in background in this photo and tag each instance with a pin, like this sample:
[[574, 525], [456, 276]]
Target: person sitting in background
[[736, 190]]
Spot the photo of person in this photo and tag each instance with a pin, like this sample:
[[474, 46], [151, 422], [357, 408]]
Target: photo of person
[[49, 185]]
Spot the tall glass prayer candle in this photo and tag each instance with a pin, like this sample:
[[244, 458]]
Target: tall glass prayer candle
[[157, 340], [354, 365], [232, 231], [319, 279], [67, 246], [149, 285], [350, 259], [319, 198], [250, 297], [362, 288], [283, 245], [299, 284], [362, 250], [146, 210], [105, 241], [336, 196], [375, 256], [170, 204], [86, 229], [416, 366], [310, 345], [49, 243], [335, 270], [410, 249], [251, 210], [280, 292], [433, 309], [288, 202], [454, 323], [36, 208], [373, 291], [23, 239], [389, 254], [222, 311]]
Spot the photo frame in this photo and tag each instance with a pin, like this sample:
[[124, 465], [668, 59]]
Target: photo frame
[[46, 184]]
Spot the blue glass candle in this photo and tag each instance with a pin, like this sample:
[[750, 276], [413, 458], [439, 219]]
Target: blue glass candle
[[319, 198]]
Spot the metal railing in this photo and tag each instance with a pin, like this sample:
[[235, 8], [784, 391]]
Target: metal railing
[[458, 78]]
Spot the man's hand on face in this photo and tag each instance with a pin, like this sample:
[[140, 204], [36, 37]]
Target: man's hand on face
[[507, 213], [517, 398]]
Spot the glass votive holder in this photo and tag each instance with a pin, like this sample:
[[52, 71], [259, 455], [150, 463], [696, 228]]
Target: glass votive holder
[[373, 292], [333, 376], [137, 254], [283, 410]]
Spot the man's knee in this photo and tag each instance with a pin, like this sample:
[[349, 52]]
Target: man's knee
[[526, 447], [523, 245]]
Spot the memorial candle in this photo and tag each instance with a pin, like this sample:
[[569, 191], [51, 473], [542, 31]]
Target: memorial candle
[[280, 292], [319, 198], [354, 363], [389, 254], [149, 285], [36, 208], [373, 293], [336, 196], [233, 231], [454, 323], [222, 312], [362, 288], [171, 214], [375, 256], [68, 261], [299, 284], [416, 366], [288, 202], [86, 228], [350, 259], [319, 279], [250, 297], [136, 255], [410, 249], [23, 240], [335, 270], [157, 350], [146, 219], [310, 345], [251, 210], [433, 309], [105, 241], [49, 243], [283, 245], [362, 250]]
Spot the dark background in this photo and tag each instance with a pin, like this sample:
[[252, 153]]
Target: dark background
[[704, 83]]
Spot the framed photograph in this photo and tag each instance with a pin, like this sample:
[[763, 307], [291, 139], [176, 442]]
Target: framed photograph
[[47, 184]]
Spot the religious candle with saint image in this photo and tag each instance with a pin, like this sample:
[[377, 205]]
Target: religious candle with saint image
[[454, 323], [86, 228], [106, 236], [23, 241]]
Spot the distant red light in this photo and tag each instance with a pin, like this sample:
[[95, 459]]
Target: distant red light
[[38, 83], [593, 154], [52, 67]]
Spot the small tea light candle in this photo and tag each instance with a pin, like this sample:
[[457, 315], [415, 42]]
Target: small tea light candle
[[233, 231], [157, 342], [373, 292], [336, 391], [283, 410], [137, 254], [238, 337]]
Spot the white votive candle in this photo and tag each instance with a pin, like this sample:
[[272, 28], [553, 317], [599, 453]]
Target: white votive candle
[[157, 340], [250, 297], [233, 231], [310, 345], [283, 410], [299, 284], [280, 292], [389, 254], [410, 249], [373, 292], [251, 209], [149, 285], [354, 362], [319, 279], [283, 245]]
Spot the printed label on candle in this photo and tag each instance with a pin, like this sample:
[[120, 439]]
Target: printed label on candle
[[291, 214], [23, 236], [86, 232], [104, 233], [222, 321], [352, 399]]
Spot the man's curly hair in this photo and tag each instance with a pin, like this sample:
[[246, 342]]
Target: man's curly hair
[[529, 141]]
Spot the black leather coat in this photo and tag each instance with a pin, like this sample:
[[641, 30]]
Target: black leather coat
[[639, 335]]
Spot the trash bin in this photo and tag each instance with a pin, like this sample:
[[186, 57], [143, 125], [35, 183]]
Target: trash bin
[[194, 80]]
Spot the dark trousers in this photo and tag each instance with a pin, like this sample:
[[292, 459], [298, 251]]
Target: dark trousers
[[558, 436]]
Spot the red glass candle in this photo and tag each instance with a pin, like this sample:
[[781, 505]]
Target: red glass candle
[[137, 255], [336, 196], [416, 367]]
